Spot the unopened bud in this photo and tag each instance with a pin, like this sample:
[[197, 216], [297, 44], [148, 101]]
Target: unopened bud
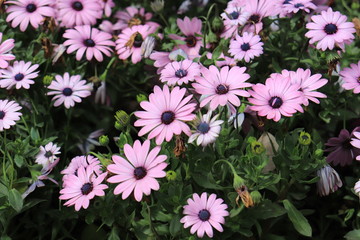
[[157, 5], [122, 118], [319, 152], [256, 197], [257, 147], [141, 97], [104, 140], [304, 138], [171, 175], [217, 24], [47, 80]]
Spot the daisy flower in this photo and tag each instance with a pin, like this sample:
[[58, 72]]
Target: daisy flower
[[5, 48], [330, 29], [351, 78], [204, 214], [47, 154], [8, 114], [133, 16], [20, 75], [69, 89], [89, 41], [177, 73], [190, 28], [107, 5], [165, 114], [329, 181], [294, 6], [83, 187], [78, 12], [233, 18], [163, 58], [130, 40], [207, 129], [138, 172], [277, 97], [356, 142], [222, 87], [246, 47], [23, 12]]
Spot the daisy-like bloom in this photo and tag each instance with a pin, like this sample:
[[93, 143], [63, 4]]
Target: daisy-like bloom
[[330, 29], [308, 84], [130, 40], [329, 181], [190, 28], [78, 12], [177, 73], [88, 40], [233, 18], [341, 150], [294, 6], [23, 12], [163, 58], [5, 48], [47, 154], [246, 47], [207, 129], [107, 5], [277, 97], [69, 89], [351, 78], [133, 16], [20, 75], [83, 187], [357, 188], [356, 142], [8, 114], [222, 87], [138, 172], [165, 114], [203, 214]]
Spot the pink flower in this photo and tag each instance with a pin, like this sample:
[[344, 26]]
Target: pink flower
[[5, 48], [107, 5], [23, 12], [130, 40], [133, 16], [83, 187], [177, 73], [277, 97], [295, 5], [163, 58], [258, 9], [190, 28], [78, 12], [165, 114], [88, 40], [222, 87], [203, 214], [69, 89], [246, 47], [226, 61], [47, 154], [233, 18], [351, 77], [20, 75], [8, 114], [356, 142], [138, 172], [330, 29]]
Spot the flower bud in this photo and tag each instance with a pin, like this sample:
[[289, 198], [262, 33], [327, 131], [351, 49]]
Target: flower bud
[[256, 197], [329, 181], [157, 5], [104, 140], [319, 152], [122, 118], [217, 24], [141, 97], [304, 138], [47, 80], [171, 175], [251, 140], [238, 181], [257, 147]]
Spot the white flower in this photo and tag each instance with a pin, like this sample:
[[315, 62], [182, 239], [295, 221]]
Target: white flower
[[47, 154]]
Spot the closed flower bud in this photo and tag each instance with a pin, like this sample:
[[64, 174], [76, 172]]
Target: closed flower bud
[[238, 181], [157, 5], [217, 24], [47, 80], [122, 118], [171, 175], [304, 138], [329, 181], [257, 147], [104, 140], [251, 140], [141, 97], [319, 152], [256, 197]]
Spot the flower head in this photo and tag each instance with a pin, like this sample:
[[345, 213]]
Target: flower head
[[133, 16], [20, 75], [294, 6], [47, 154], [204, 213], [233, 18], [138, 172], [246, 47], [177, 73], [329, 181], [8, 114], [5, 48], [351, 78]]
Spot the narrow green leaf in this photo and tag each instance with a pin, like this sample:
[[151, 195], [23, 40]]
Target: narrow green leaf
[[300, 223]]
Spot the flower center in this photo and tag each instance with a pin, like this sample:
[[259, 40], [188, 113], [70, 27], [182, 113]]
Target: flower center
[[204, 215], [48, 154], [136, 20], [358, 79], [77, 6], [330, 28], [221, 89], [19, 77], [190, 41], [139, 173], [31, 8], [245, 46], [287, 2], [180, 73], [347, 145], [167, 117], [298, 5], [255, 18], [203, 127], [275, 102], [86, 188], [67, 91], [89, 42], [138, 40], [234, 15], [2, 115]]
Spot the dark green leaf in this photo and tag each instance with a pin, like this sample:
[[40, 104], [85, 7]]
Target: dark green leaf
[[15, 199], [300, 223]]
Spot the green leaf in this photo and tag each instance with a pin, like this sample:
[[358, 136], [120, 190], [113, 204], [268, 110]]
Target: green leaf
[[353, 235], [19, 160], [15, 199], [34, 134], [175, 225], [300, 223], [114, 234]]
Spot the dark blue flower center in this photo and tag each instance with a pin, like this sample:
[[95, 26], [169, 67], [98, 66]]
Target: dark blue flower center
[[221, 89], [190, 41], [139, 173], [204, 215], [2, 114], [48, 154], [203, 127], [180, 73], [31, 8], [298, 5], [255, 18], [89, 42], [86, 188], [77, 6], [245, 46], [138, 40], [275, 102], [234, 15], [67, 91], [287, 2], [19, 77], [330, 28], [167, 117]]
